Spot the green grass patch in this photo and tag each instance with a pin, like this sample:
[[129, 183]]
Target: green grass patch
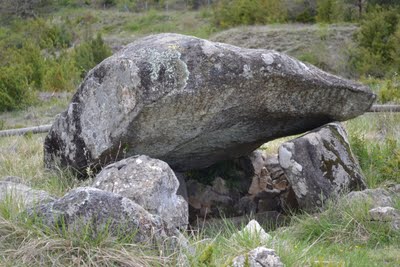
[[375, 140]]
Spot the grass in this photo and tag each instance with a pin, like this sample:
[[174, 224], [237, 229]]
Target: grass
[[42, 113], [23, 243], [190, 23], [22, 156], [119, 28], [375, 140], [342, 235]]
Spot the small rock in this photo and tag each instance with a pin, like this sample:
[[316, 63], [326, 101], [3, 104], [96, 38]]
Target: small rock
[[395, 189], [320, 165], [253, 228], [375, 197], [395, 225], [23, 194], [151, 183], [100, 210], [384, 214], [259, 257]]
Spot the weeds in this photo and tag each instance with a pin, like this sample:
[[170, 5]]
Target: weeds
[[375, 140]]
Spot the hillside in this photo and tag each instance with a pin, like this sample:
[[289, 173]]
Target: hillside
[[325, 46]]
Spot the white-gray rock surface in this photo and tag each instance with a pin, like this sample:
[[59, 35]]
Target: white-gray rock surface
[[97, 210], [377, 197], [319, 165], [151, 183], [254, 229], [258, 257], [192, 103], [384, 214], [23, 194]]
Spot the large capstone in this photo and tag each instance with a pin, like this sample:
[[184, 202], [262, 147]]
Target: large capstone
[[148, 182], [191, 103], [320, 165]]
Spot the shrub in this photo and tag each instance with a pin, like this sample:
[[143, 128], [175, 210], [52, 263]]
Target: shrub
[[377, 50], [45, 34], [30, 59], [28, 50], [327, 11], [90, 53], [307, 16], [62, 74], [15, 91], [330, 11], [249, 12], [394, 43], [390, 90]]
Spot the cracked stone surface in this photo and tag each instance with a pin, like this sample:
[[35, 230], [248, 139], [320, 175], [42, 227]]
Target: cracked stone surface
[[377, 197], [90, 208], [23, 194], [151, 183], [384, 214], [258, 257], [191, 103], [320, 165]]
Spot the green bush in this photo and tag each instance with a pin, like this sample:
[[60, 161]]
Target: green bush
[[378, 47], [44, 33], [390, 90], [326, 10], [62, 74], [30, 59], [330, 11], [90, 53], [34, 57], [15, 91], [394, 43], [307, 16], [249, 12]]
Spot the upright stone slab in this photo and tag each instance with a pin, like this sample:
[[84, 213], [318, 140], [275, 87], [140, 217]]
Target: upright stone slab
[[192, 103], [320, 165]]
